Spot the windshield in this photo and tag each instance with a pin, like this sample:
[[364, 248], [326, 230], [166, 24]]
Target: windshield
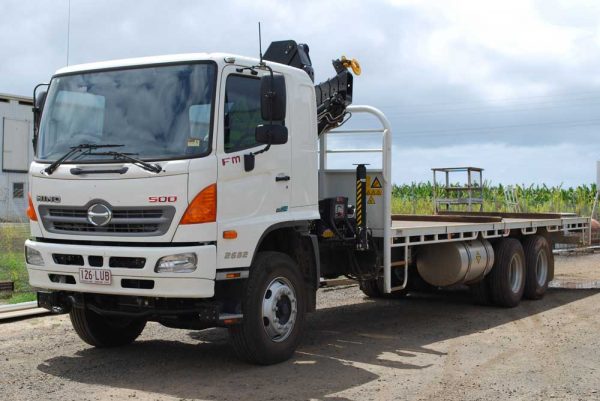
[[157, 113]]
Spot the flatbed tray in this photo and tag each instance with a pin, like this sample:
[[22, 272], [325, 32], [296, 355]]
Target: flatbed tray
[[422, 229], [508, 214]]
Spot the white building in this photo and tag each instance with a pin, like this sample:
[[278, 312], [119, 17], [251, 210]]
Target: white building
[[16, 132]]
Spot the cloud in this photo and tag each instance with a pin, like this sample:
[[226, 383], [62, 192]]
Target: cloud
[[559, 164], [506, 164], [517, 74]]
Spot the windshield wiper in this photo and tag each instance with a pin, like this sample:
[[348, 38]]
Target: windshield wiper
[[75, 149], [154, 168]]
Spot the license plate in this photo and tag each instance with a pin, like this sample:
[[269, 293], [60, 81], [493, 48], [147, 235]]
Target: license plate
[[95, 276]]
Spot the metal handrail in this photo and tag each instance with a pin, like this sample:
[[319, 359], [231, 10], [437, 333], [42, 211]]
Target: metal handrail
[[386, 167]]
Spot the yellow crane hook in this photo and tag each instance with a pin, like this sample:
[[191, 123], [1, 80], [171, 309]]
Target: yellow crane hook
[[353, 64]]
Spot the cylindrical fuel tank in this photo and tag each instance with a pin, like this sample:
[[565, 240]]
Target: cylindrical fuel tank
[[452, 263]]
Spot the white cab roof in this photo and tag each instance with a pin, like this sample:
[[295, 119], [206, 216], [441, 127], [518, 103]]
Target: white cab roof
[[219, 58]]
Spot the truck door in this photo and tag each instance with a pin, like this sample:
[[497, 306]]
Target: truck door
[[247, 201]]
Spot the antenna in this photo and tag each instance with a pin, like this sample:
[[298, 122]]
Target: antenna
[[259, 43], [68, 30]]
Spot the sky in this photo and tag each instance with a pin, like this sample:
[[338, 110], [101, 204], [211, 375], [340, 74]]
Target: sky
[[511, 86]]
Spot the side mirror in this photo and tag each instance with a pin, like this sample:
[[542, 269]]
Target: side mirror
[[271, 134], [38, 106], [39, 99], [272, 97]]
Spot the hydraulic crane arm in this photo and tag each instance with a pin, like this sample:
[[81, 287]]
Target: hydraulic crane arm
[[333, 95]]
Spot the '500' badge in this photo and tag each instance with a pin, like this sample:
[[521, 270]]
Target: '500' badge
[[162, 199]]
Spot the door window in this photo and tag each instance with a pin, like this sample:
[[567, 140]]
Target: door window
[[242, 112]]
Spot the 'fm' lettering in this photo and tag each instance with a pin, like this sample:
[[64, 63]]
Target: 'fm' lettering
[[231, 160]]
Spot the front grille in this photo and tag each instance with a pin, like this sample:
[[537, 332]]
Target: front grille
[[125, 221], [67, 213], [95, 261], [138, 284], [69, 260], [109, 228], [138, 214], [62, 278], [127, 262]]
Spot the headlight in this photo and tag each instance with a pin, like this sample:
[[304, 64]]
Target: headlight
[[180, 263], [33, 257]]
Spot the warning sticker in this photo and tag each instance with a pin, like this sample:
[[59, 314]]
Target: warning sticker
[[371, 200], [193, 142], [374, 186]]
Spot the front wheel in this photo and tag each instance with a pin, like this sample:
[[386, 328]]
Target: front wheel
[[101, 331], [274, 309]]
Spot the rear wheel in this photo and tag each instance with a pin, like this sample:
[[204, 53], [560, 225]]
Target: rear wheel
[[481, 292], [371, 288], [274, 310], [540, 266], [101, 331], [507, 278]]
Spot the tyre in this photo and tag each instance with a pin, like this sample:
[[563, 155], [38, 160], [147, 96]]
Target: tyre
[[539, 263], [101, 331], [507, 278], [371, 288], [481, 292], [273, 306]]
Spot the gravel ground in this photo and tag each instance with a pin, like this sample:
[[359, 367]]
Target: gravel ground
[[427, 347]]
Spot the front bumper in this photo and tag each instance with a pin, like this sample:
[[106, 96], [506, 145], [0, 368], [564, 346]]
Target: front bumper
[[197, 284]]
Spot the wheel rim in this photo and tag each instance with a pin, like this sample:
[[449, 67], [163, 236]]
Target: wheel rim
[[516, 273], [541, 268], [279, 309]]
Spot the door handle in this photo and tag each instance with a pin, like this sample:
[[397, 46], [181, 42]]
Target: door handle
[[282, 178]]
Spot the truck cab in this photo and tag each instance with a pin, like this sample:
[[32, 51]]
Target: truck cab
[[169, 191]]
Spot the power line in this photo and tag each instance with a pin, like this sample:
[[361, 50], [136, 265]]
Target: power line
[[486, 130], [497, 109], [504, 100]]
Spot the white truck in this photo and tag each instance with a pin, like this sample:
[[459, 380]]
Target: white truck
[[194, 190]]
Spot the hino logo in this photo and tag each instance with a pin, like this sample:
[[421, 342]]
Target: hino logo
[[99, 215], [49, 199]]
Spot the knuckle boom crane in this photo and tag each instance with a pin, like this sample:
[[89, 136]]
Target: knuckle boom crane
[[332, 95]]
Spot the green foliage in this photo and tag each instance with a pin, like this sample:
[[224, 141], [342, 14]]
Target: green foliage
[[417, 198], [17, 298], [12, 261]]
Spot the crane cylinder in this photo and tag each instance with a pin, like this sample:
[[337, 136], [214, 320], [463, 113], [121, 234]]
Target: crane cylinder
[[453, 263]]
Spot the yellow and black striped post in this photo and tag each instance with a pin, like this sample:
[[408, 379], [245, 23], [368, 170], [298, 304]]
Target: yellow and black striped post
[[361, 207]]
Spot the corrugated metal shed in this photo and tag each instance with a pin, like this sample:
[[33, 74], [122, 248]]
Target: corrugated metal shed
[[16, 131]]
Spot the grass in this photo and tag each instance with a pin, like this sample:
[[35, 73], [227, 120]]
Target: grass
[[417, 198], [12, 263], [22, 297]]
